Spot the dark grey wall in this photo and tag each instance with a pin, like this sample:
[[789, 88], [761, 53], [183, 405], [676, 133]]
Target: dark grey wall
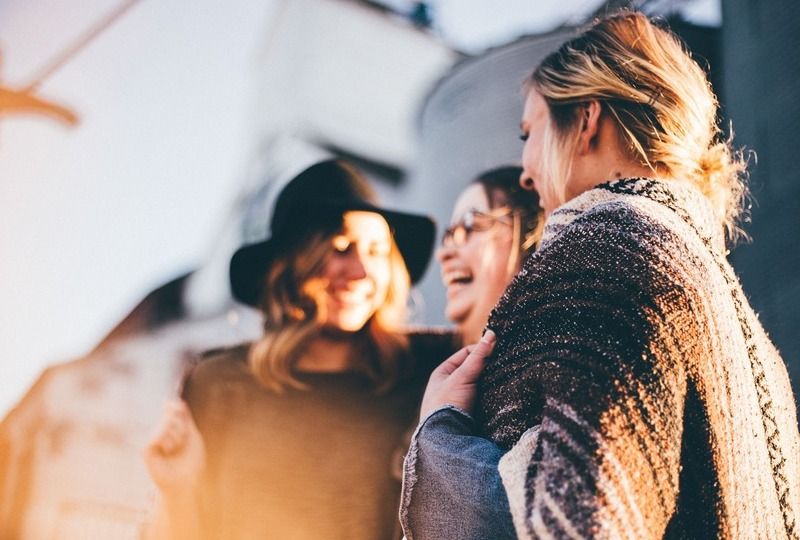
[[760, 51]]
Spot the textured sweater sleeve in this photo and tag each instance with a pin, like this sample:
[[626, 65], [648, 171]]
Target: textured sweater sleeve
[[589, 349]]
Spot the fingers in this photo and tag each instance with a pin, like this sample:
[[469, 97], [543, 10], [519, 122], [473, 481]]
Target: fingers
[[454, 382], [451, 364], [174, 430], [474, 355]]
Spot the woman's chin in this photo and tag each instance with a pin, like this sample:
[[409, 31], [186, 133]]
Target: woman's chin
[[456, 314], [348, 322]]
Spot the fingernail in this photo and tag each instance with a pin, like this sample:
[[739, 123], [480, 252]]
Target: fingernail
[[488, 336]]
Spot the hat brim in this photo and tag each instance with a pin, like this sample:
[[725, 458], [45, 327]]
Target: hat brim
[[414, 235]]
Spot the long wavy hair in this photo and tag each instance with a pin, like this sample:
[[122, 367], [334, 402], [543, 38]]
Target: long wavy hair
[[294, 315], [660, 99]]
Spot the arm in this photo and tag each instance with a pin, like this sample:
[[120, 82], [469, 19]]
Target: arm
[[590, 350], [175, 459], [451, 485], [175, 519]]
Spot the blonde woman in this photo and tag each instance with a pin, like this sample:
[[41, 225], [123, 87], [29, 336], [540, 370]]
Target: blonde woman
[[297, 435], [631, 391]]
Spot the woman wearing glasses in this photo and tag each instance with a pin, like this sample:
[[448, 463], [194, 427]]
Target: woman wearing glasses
[[495, 226]]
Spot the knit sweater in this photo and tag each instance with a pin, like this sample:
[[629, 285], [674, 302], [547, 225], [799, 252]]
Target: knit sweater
[[633, 384]]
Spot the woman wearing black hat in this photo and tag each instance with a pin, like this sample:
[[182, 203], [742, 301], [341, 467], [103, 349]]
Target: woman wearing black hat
[[299, 434]]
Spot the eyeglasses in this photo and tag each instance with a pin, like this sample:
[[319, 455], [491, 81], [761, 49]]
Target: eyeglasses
[[473, 221]]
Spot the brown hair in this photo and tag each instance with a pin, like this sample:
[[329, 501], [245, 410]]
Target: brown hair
[[294, 316], [660, 99], [502, 189]]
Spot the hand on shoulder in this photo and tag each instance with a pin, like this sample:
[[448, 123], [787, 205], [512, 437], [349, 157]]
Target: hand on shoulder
[[454, 382]]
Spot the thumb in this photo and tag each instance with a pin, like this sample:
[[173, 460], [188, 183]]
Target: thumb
[[453, 363], [473, 364]]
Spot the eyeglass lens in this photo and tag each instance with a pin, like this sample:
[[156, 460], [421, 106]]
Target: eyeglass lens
[[457, 234]]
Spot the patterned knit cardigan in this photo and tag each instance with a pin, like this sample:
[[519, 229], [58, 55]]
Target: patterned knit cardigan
[[639, 394]]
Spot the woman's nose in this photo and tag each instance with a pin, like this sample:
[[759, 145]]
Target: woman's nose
[[444, 252], [355, 267]]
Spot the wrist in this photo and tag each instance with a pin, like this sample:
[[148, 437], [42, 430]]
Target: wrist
[[448, 410], [178, 498], [462, 405]]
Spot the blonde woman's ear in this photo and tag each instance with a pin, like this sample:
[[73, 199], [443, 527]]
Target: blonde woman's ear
[[590, 126]]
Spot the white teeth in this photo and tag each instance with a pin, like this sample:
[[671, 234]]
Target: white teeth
[[456, 275], [351, 297]]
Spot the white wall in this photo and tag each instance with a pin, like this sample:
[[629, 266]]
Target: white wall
[[94, 216]]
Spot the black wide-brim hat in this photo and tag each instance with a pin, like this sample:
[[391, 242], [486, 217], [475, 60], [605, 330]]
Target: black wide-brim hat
[[315, 200]]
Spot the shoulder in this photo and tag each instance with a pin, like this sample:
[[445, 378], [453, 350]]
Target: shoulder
[[429, 347], [613, 259], [215, 369], [614, 224], [432, 341], [618, 240]]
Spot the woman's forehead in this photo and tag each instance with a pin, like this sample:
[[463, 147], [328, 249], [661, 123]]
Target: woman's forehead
[[535, 110], [365, 224], [473, 197]]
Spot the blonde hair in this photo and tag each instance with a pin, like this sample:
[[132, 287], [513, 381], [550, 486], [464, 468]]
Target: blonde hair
[[294, 315], [658, 96]]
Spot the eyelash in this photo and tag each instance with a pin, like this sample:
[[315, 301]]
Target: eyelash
[[374, 251], [379, 251]]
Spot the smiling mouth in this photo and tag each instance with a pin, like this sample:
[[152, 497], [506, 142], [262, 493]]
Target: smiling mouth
[[457, 278], [351, 300]]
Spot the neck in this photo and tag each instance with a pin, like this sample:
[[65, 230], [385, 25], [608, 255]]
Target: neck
[[610, 169], [625, 168], [604, 160], [328, 354]]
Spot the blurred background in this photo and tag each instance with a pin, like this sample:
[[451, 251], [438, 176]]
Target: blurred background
[[141, 142]]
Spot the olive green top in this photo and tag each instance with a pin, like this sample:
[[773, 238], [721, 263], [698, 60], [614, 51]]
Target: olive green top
[[304, 464]]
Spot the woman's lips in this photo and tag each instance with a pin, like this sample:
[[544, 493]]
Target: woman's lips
[[350, 298], [455, 286]]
